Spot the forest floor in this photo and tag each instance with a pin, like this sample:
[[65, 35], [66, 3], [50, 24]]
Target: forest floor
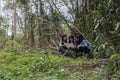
[[40, 66]]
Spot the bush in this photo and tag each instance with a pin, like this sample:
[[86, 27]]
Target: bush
[[102, 48], [113, 66], [12, 46]]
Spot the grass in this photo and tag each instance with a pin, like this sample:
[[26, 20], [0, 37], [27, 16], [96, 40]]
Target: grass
[[39, 66]]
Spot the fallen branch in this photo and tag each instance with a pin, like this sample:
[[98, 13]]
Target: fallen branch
[[52, 47]]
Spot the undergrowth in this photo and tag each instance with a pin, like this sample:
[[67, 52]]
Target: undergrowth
[[40, 66]]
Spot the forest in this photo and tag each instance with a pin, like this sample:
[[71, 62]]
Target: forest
[[30, 31]]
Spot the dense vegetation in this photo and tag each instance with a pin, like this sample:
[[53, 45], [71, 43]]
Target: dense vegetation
[[29, 38], [37, 66]]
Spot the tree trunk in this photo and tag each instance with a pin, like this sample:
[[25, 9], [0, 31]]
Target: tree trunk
[[14, 20]]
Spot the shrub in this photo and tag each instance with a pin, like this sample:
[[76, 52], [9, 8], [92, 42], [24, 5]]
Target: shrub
[[102, 48], [12, 46], [113, 65]]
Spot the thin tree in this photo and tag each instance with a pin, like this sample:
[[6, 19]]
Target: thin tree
[[14, 20]]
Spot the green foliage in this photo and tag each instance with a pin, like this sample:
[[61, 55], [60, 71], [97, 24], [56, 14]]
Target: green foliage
[[12, 46], [102, 19], [2, 36], [2, 33], [23, 2], [1, 20], [8, 6], [98, 20], [36, 66], [114, 65], [102, 48], [29, 67]]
